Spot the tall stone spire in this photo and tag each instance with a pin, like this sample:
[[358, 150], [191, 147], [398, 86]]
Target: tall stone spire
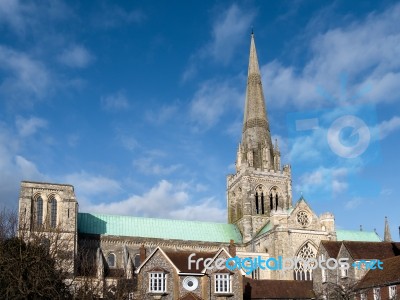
[[387, 237], [256, 147]]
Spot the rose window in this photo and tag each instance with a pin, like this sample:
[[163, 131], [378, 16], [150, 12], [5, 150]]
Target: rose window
[[303, 219]]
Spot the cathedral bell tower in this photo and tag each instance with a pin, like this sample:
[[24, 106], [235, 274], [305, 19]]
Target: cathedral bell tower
[[260, 188]]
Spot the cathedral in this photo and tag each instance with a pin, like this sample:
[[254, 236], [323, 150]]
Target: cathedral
[[263, 221]]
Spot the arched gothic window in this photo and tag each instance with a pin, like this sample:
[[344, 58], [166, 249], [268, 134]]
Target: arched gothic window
[[111, 260], [271, 205], [274, 198], [39, 211], [262, 203], [302, 270], [257, 211], [259, 199], [53, 211]]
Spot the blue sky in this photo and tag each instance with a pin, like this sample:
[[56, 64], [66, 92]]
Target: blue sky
[[139, 105]]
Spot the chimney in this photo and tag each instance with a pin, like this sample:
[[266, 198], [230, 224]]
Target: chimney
[[142, 253], [232, 249]]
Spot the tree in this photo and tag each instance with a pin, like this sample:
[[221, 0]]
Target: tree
[[32, 265], [337, 291], [27, 271], [8, 224], [39, 262]]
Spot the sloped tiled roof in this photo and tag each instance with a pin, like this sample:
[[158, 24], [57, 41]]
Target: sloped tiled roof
[[157, 228], [356, 235], [277, 289], [372, 250], [377, 277], [332, 247]]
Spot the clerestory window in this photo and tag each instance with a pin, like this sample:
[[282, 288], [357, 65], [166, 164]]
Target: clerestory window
[[39, 211], [53, 212]]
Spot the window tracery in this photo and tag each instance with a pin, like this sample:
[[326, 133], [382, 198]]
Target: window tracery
[[302, 270], [303, 218]]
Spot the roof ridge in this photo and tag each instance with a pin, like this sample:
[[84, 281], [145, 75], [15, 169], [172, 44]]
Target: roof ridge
[[152, 218]]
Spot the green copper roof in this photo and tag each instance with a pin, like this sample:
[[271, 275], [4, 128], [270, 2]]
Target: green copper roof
[[265, 229], [357, 236], [157, 228]]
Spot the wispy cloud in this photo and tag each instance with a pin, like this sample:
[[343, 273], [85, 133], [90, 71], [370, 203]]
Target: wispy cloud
[[323, 179], [91, 184], [353, 203], [164, 200], [29, 126], [14, 167], [162, 115], [76, 56], [211, 101], [27, 16], [228, 31], [147, 165], [388, 126], [366, 62], [110, 16], [26, 77], [115, 102]]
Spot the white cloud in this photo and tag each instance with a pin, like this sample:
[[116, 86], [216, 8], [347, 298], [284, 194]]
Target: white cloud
[[26, 76], [353, 203], [115, 102], [76, 57], [11, 12], [323, 179], [110, 16], [148, 166], [228, 31], [29, 126], [164, 200], [355, 49], [28, 169], [211, 101], [73, 139], [162, 115], [204, 211], [128, 141], [23, 16], [385, 192], [14, 167], [387, 127], [88, 184]]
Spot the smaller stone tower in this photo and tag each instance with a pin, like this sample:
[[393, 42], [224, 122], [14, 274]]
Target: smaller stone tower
[[50, 211]]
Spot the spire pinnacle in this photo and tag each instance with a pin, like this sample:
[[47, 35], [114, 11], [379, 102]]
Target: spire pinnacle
[[276, 145], [387, 237], [256, 137], [253, 60]]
